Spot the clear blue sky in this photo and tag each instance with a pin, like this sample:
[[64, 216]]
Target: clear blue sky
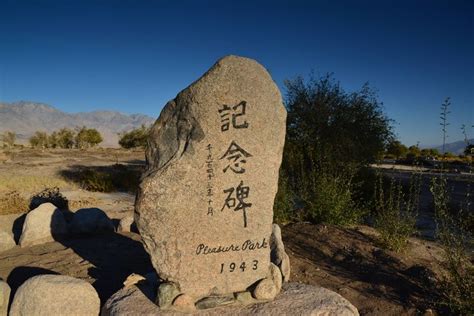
[[133, 56]]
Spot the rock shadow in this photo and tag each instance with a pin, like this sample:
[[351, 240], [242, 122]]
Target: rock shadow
[[112, 257]]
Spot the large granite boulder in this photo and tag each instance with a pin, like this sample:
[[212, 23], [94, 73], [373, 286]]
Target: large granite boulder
[[4, 297], [294, 299], [42, 225], [205, 204], [55, 295]]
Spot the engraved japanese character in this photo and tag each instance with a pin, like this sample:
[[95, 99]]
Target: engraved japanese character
[[236, 157], [241, 194], [227, 117]]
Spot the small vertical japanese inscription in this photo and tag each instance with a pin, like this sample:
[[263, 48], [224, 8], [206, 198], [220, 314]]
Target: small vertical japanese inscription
[[210, 176]]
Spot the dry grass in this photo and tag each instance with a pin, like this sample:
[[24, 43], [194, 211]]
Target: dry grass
[[12, 203], [31, 184]]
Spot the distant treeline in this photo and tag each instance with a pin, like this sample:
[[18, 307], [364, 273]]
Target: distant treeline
[[395, 149], [67, 138]]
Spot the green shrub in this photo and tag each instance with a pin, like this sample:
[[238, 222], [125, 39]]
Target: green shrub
[[457, 285], [284, 202], [135, 138], [327, 198], [87, 137], [396, 211], [96, 181]]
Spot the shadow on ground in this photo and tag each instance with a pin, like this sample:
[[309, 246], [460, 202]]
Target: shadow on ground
[[112, 256], [109, 178]]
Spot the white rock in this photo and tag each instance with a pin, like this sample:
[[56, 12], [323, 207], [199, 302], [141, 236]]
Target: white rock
[[4, 297], [42, 224], [55, 295], [6, 241]]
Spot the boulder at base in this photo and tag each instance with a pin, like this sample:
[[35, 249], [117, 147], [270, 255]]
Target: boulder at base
[[295, 299], [42, 224], [205, 205], [55, 295]]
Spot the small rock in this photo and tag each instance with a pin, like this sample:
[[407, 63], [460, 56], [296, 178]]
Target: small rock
[[214, 301], [278, 254], [184, 303], [275, 275], [276, 245], [6, 241], [91, 220], [55, 295], [126, 224], [133, 279], [244, 298], [285, 268], [4, 297], [167, 292], [42, 224], [266, 289]]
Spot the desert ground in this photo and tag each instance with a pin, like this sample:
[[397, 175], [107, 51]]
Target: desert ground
[[346, 260]]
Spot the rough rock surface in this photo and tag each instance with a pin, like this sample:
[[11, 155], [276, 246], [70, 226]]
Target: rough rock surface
[[55, 295], [205, 204], [42, 224], [266, 289], [279, 257], [295, 299], [4, 297], [90, 221], [6, 241], [127, 224]]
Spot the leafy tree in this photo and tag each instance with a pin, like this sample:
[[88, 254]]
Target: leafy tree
[[39, 140], [65, 138], [53, 140], [135, 138], [397, 149], [429, 152], [87, 137], [9, 138], [413, 152], [331, 135], [337, 127]]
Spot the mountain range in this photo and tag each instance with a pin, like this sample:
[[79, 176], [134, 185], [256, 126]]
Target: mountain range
[[25, 118], [455, 147]]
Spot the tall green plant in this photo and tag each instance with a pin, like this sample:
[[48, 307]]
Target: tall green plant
[[457, 285], [396, 211]]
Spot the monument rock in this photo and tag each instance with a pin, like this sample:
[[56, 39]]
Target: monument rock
[[205, 203]]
